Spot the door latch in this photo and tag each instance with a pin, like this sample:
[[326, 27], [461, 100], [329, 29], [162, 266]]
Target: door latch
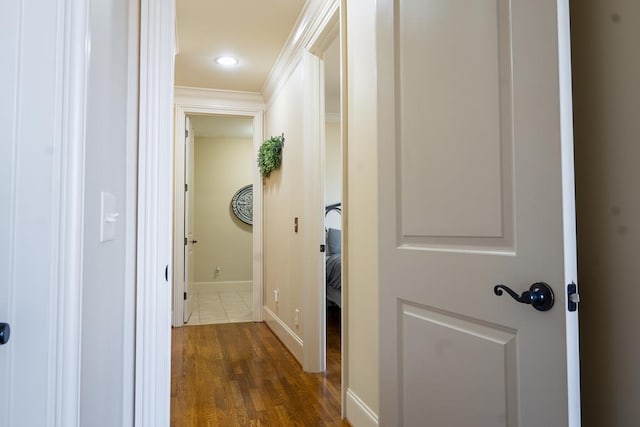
[[573, 297]]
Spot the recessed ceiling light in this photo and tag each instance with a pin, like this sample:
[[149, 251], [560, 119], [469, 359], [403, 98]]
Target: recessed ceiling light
[[226, 60]]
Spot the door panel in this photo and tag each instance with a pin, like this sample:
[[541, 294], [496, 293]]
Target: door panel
[[471, 81], [462, 356], [475, 190]]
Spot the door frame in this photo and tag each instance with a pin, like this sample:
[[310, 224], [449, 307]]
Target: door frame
[[220, 103], [332, 26], [155, 214], [155, 192], [181, 264], [314, 307]]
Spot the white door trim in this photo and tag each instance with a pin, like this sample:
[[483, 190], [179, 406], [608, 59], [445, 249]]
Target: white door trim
[[344, 320], [203, 101], [320, 35], [129, 332], [569, 206], [313, 307], [155, 204], [68, 322]]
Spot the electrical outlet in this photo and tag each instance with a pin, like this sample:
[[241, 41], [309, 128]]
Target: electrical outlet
[[296, 317], [276, 292]]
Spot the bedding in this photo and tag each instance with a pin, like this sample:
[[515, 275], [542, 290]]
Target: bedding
[[334, 266], [334, 241], [334, 279]]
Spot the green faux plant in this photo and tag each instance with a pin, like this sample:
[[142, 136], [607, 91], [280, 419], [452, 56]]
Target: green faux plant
[[270, 155]]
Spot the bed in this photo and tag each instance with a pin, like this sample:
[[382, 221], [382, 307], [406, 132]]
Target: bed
[[334, 258]]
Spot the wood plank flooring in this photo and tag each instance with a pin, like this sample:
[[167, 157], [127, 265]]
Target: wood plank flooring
[[239, 374]]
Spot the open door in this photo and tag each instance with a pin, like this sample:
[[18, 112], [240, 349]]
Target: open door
[[475, 191], [189, 240]]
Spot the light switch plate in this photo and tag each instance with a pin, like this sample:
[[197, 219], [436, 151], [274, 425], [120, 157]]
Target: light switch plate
[[108, 216]]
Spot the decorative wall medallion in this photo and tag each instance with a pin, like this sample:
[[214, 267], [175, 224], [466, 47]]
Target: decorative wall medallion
[[242, 204]]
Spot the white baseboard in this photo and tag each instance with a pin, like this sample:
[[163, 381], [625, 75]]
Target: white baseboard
[[227, 286], [288, 337], [358, 413]]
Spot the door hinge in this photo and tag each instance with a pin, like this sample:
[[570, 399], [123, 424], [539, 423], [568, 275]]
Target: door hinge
[[185, 241], [185, 296], [186, 133], [186, 187], [573, 297], [166, 273], [322, 248]]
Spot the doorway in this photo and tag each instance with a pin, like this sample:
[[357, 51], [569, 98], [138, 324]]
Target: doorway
[[333, 181], [218, 235], [225, 288], [188, 101]]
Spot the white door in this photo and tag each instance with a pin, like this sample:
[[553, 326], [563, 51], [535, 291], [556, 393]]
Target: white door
[[188, 220], [475, 190], [40, 164]]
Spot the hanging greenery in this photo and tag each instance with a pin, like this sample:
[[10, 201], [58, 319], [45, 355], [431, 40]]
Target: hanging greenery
[[270, 155]]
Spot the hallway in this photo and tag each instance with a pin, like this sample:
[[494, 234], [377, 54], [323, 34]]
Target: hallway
[[239, 374], [212, 305]]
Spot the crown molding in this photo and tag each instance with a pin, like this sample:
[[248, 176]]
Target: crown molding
[[185, 95], [315, 17]]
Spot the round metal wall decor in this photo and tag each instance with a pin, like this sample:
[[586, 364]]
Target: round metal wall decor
[[242, 204]]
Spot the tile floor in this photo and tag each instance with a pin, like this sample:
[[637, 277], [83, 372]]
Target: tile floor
[[221, 305]]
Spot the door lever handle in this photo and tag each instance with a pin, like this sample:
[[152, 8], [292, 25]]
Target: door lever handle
[[5, 333], [539, 295]]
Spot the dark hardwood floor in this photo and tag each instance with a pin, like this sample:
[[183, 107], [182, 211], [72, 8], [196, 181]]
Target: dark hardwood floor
[[240, 374]]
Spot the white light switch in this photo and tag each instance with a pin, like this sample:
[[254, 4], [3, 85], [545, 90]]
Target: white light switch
[[108, 216]]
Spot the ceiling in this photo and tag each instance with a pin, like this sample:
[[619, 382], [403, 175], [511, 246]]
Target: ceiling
[[221, 126], [253, 31]]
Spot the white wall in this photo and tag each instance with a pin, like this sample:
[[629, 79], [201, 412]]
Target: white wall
[[333, 172], [606, 70], [283, 201], [333, 163], [222, 167], [361, 202], [107, 316], [332, 130]]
